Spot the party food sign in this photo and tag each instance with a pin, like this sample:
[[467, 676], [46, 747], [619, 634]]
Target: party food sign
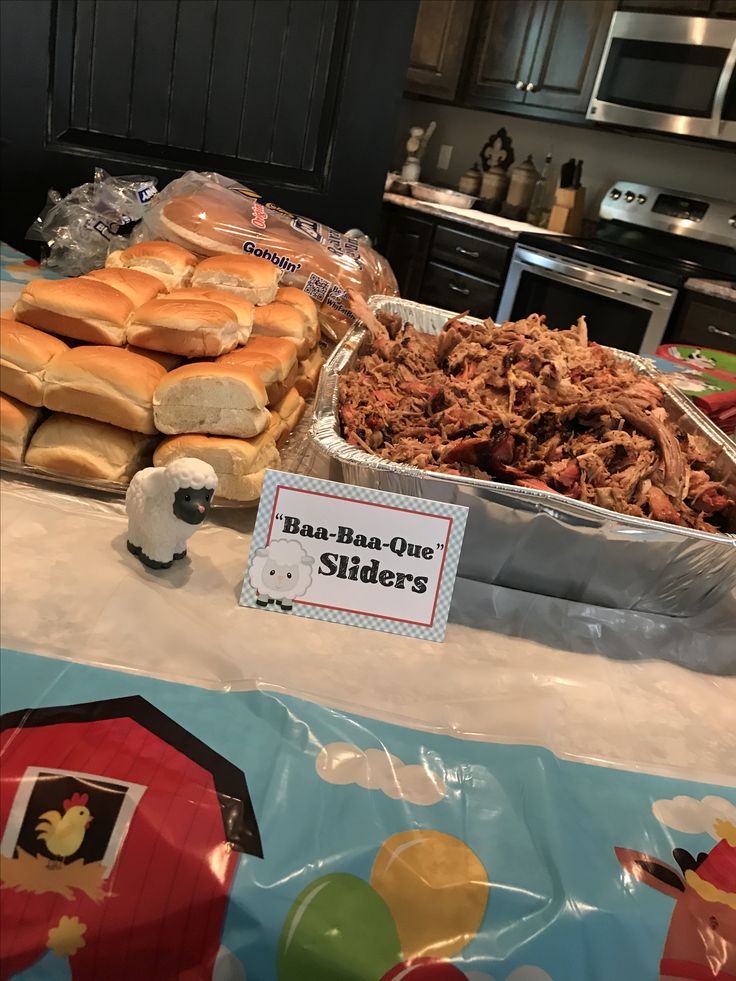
[[354, 555]]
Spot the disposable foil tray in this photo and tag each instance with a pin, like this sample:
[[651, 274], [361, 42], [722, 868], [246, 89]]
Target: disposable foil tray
[[537, 540]]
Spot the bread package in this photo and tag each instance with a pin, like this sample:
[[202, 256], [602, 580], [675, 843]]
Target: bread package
[[109, 384], [211, 398], [139, 287], [88, 450], [169, 263], [239, 463], [273, 359], [83, 309], [211, 214], [193, 328], [24, 354], [246, 276], [17, 422]]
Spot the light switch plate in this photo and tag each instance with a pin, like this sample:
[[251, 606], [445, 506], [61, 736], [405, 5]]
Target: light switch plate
[[443, 158]]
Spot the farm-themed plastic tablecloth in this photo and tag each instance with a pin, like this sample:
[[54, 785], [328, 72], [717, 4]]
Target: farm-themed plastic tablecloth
[[192, 790]]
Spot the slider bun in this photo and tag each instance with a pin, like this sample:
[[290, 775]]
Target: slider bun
[[193, 328], [283, 320], [272, 358], [239, 463], [298, 298], [212, 398], [255, 279], [104, 383], [167, 361], [205, 223], [87, 449], [139, 287], [242, 308], [308, 374], [290, 410], [166, 261], [24, 353], [82, 308], [17, 422]]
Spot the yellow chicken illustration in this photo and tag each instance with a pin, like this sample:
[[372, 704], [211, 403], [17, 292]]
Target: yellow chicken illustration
[[63, 834]]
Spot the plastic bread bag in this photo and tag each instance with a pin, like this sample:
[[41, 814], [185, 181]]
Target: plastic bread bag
[[78, 229], [210, 214]]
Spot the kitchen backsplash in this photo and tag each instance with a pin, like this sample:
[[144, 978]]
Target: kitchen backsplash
[[608, 156]]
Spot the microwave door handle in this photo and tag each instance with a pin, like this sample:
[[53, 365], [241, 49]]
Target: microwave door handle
[[719, 99]]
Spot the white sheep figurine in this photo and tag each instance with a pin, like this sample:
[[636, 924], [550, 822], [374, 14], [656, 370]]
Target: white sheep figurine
[[165, 506], [280, 572]]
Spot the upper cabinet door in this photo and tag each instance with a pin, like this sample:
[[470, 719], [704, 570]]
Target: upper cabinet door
[[438, 47], [571, 42], [505, 46]]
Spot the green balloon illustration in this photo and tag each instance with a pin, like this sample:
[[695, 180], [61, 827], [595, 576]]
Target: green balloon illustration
[[338, 929]]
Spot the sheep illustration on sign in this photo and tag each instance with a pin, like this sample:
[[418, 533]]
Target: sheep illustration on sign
[[280, 573], [165, 507]]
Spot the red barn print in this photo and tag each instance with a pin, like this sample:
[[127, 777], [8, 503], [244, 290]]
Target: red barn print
[[120, 840]]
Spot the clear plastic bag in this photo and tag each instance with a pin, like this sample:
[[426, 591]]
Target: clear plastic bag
[[210, 214], [79, 228]]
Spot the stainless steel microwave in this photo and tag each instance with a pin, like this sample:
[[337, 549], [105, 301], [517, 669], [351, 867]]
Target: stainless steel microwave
[[669, 74]]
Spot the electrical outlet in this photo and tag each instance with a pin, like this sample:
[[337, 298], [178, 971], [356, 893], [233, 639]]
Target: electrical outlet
[[443, 158]]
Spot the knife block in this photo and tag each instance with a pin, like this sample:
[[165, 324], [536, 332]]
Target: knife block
[[567, 212]]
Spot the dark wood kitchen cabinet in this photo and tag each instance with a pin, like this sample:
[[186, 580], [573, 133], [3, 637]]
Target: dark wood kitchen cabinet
[[507, 36], [705, 321], [406, 241], [538, 57], [438, 47], [443, 263]]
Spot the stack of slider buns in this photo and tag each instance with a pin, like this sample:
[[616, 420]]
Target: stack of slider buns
[[212, 354]]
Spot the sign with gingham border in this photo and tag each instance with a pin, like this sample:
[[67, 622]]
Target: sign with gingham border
[[353, 555]]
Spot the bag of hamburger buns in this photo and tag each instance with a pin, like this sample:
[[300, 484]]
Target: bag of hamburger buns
[[210, 214]]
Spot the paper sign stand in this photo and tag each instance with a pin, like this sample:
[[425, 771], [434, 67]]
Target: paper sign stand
[[353, 555]]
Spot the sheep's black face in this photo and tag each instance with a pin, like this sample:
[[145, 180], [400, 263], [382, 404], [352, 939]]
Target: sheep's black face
[[192, 505]]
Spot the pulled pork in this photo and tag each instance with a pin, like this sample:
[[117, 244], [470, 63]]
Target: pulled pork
[[522, 404]]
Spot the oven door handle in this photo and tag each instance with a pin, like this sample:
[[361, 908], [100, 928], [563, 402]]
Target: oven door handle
[[543, 265]]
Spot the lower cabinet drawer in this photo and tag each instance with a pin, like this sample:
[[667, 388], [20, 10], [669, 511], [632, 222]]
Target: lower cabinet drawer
[[452, 290], [705, 321]]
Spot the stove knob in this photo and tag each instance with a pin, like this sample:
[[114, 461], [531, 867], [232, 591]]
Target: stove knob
[[642, 199], [732, 221], [629, 196], [615, 194]]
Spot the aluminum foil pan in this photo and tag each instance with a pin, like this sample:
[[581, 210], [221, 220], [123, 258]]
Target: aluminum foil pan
[[536, 540]]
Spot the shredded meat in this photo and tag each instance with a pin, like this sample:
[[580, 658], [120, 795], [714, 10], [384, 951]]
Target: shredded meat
[[526, 405]]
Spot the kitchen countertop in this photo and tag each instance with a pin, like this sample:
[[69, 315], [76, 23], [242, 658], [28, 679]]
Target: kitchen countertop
[[512, 229], [475, 219], [713, 287]]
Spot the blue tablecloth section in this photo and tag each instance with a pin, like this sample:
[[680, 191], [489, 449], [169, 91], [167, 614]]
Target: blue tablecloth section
[[379, 844], [15, 267]]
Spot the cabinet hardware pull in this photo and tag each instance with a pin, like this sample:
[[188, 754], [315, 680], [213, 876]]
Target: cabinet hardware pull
[[470, 255], [712, 329], [459, 289], [520, 85], [531, 87]]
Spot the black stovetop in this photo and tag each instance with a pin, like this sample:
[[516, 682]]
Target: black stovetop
[[642, 253]]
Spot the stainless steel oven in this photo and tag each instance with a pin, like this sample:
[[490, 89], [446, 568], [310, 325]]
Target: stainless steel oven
[[621, 310], [667, 73]]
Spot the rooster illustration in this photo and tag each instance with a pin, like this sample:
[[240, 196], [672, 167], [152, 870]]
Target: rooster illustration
[[64, 834]]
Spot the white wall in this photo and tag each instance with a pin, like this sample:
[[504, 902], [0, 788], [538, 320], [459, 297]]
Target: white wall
[[608, 156]]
